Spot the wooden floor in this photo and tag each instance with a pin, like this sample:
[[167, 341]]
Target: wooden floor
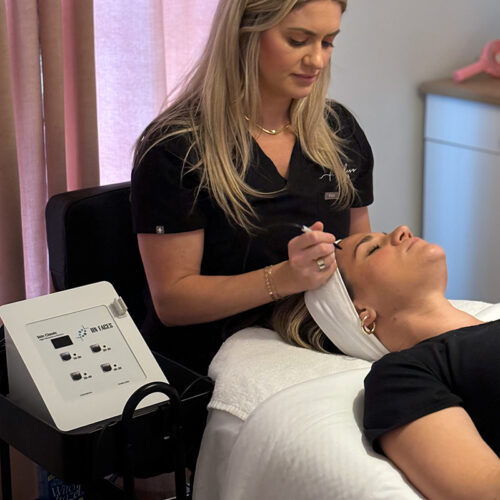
[[156, 488], [25, 482]]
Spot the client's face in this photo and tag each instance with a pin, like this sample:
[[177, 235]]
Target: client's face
[[387, 270]]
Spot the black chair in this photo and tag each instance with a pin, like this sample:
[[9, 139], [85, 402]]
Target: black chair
[[90, 239]]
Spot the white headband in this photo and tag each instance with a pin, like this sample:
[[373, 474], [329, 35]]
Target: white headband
[[333, 311]]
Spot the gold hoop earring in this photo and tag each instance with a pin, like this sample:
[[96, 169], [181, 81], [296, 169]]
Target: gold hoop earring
[[367, 330]]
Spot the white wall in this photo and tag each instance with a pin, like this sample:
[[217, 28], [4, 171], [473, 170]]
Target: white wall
[[386, 49]]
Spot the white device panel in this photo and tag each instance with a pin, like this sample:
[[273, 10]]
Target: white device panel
[[75, 357]]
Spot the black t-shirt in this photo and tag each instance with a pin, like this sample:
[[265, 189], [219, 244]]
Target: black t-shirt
[[163, 201], [457, 368]]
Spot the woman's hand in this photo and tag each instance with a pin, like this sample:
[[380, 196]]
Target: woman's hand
[[182, 296], [311, 261]]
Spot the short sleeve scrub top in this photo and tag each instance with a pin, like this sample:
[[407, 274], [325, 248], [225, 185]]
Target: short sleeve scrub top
[[163, 201]]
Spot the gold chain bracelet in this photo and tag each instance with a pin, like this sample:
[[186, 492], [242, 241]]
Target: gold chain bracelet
[[268, 278]]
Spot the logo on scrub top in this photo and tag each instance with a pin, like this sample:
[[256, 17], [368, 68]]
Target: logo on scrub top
[[329, 176], [348, 170]]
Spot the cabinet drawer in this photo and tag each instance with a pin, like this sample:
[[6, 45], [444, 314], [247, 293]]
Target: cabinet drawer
[[467, 123], [461, 214]]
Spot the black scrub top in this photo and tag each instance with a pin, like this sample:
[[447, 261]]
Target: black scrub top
[[163, 201]]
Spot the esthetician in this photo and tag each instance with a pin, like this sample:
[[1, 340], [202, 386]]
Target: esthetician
[[247, 153]]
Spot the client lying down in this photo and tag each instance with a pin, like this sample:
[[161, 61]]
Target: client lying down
[[432, 400]]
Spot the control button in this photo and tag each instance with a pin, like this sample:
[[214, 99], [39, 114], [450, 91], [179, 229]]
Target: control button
[[65, 356], [95, 347], [106, 367], [76, 375]]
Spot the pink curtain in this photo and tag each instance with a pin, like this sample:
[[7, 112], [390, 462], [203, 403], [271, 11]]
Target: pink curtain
[[48, 91], [140, 58], [79, 80]]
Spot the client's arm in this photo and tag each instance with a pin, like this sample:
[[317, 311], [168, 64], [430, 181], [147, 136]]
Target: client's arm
[[444, 456]]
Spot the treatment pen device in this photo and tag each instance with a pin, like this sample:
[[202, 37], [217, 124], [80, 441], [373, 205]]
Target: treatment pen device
[[305, 229]]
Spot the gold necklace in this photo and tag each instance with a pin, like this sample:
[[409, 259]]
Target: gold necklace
[[270, 131]]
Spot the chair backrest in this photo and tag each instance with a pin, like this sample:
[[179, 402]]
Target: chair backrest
[[90, 239]]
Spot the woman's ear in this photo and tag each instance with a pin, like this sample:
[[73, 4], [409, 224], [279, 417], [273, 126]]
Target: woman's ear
[[367, 315]]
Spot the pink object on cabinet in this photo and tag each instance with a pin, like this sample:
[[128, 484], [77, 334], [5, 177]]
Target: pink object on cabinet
[[489, 61]]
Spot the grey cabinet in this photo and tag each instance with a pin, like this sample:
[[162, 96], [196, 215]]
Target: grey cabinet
[[461, 191]]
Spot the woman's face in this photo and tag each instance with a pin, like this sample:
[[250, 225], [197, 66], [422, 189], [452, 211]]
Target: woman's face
[[389, 272], [294, 52]]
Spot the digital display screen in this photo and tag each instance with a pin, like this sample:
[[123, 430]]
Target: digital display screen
[[61, 341]]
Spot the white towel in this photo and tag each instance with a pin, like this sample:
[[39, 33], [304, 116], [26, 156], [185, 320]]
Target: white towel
[[332, 309], [256, 363]]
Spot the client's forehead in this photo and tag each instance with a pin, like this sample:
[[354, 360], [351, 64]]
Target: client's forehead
[[345, 257], [342, 255], [351, 243]]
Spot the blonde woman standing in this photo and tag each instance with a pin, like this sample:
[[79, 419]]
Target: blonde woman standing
[[224, 178]]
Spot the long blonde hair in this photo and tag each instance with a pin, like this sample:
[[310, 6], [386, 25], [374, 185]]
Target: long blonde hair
[[221, 90], [292, 321]]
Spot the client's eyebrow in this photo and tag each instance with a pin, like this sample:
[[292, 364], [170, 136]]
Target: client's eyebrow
[[365, 239]]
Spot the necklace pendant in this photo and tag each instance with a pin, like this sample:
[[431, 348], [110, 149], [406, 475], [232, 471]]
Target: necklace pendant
[[269, 131], [272, 131]]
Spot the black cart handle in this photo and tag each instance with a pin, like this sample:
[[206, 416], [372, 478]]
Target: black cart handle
[[176, 433]]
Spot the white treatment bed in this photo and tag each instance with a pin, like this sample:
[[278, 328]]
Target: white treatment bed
[[285, 423]]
